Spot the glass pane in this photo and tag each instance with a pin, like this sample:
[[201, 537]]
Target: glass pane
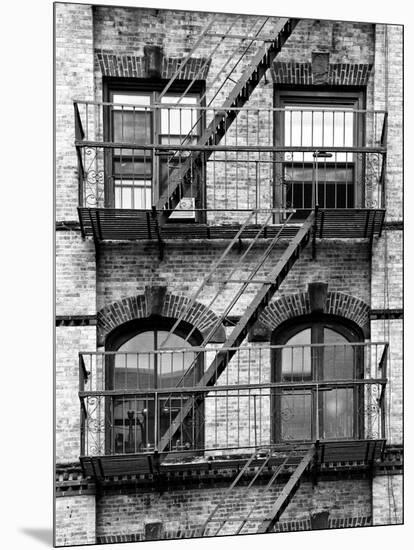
[[123, 196], [139, 167], [133, 194], [133, 425], [325, 173], [142, 196], [335, 187], [319, 126], [131, 99], [178, 121], [296, 362], [186, 437], [338, 360], [132, 126], [296, 414], [172, 366], [136, 370], [338, 411]]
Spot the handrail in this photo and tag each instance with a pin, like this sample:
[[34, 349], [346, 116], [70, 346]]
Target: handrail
[[322, 385], [220, 110], [217, 148], [240, 348]]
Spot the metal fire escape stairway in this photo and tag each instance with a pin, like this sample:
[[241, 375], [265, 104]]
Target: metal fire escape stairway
[[181, 178], [239, 332], [292, 461]]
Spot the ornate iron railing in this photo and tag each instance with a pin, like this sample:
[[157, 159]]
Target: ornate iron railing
[[269, 157], [267, 394]]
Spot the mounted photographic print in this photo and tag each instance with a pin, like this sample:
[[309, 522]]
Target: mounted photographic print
[[228, 274]]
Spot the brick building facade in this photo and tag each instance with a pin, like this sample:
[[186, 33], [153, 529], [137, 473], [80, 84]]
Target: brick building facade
[[295, 185]]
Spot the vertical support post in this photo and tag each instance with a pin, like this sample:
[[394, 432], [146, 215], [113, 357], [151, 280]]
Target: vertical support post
[[255, 419], [82, 406], [315, 465], [161, 244], [317, 414], [383, 395], [156, 428], [382, 197], [315, 205]]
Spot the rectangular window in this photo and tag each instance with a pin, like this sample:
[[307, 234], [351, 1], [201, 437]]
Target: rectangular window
[[316, 122], [132, 168], [139, 116]]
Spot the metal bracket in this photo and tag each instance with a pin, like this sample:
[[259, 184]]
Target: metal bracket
[[161, 243], [314, 231], [315, 465]]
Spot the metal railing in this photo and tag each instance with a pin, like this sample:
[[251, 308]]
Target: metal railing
[[124, 163], [267, 394]]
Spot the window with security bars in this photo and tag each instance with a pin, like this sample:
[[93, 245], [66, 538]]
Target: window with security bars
[[315, 125], [142, 118]]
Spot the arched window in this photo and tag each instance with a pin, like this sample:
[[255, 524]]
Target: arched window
[[317, 349], [136, 420]]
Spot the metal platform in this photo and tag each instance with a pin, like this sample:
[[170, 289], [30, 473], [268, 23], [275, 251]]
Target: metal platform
[[106, 224], [351, 453]]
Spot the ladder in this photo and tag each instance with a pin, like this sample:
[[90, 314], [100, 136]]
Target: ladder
[[286, 461], [181, 178], [239, 332]]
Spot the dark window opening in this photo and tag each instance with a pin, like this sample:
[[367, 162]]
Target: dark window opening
[[136, 421], [318, 120]]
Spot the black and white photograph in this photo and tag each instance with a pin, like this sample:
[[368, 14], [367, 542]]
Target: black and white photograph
[[228, 241]]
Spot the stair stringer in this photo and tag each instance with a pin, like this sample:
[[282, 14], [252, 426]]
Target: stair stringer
[[288, 492], [250, 316], [181, 178]]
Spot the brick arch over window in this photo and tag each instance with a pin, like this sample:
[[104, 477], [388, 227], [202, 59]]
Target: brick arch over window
[[156, 301], [133, 66], [294, 305], [337, 74]]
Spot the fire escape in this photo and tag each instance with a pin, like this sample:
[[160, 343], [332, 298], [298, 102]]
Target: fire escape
[[146, 430]]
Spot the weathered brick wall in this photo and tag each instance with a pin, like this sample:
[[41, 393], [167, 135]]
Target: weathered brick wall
[[128, 30], [391, 331], [75, 520], [75, 274], [346, 41], [387, 271], [387, 256], [69, 341], [387, 95], [387, 500], [74, 80], [188, 509], [125, 269], [75, 259]]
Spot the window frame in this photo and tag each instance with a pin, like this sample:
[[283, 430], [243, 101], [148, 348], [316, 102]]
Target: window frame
[[121, 335], [325, 96], [113, 85], [317, 323]]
